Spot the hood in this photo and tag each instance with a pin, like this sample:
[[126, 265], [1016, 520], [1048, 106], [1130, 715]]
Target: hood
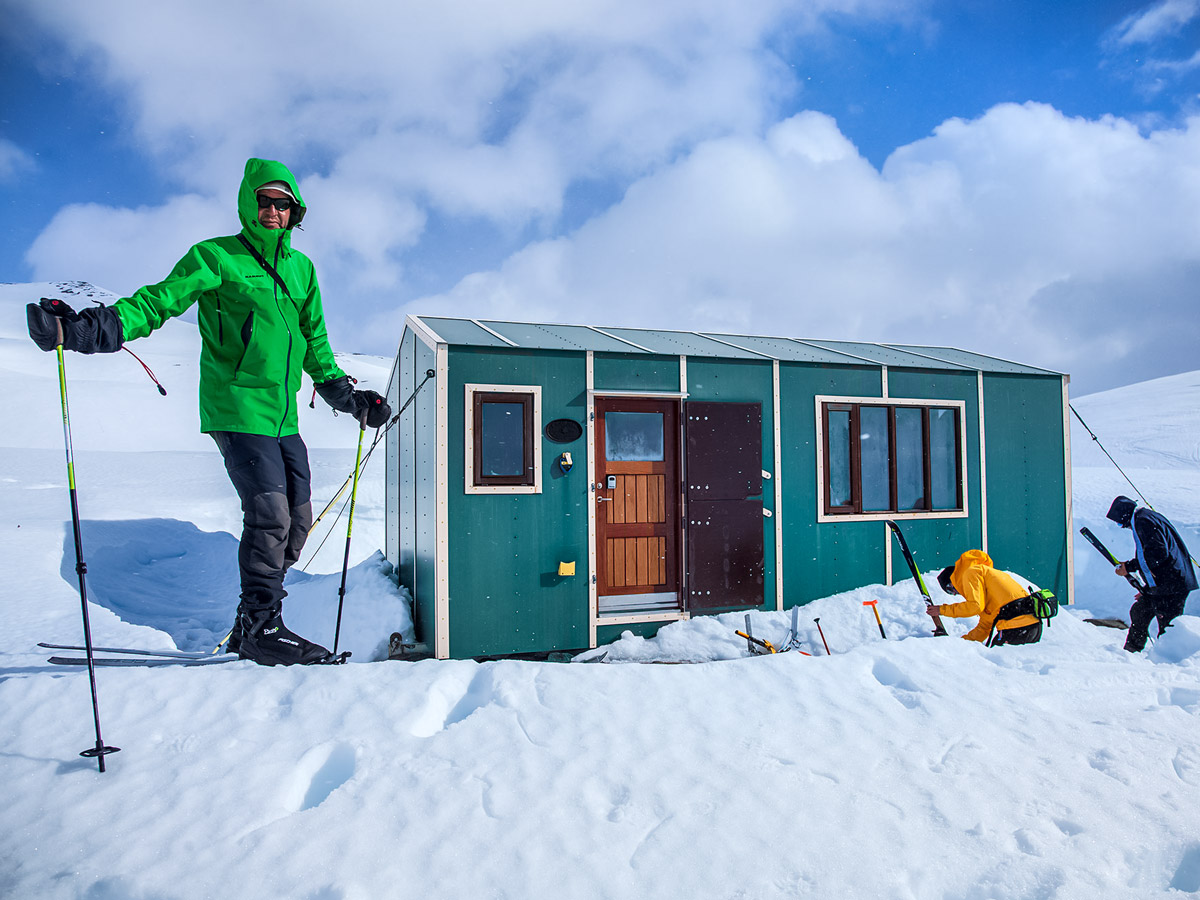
[[1121, 511], [966, 561], [258, 173]]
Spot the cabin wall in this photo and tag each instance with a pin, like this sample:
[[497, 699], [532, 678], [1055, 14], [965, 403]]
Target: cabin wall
[[505, 592], [825, 558], [635, 372], [398, 547], [419, 512], [1026, 478]]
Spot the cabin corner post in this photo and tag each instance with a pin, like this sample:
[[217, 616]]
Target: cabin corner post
[[777, 467], [590, 419], [1070, 548], [442, 564]]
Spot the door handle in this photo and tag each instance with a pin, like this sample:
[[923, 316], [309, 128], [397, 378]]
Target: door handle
[[604, 499]]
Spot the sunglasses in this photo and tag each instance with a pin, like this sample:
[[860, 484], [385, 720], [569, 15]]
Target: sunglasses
[[283, 204]]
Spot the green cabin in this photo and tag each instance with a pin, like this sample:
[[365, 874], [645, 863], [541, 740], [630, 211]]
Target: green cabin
[[551, 486]]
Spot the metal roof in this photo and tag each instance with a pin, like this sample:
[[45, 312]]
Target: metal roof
[[660, 342]]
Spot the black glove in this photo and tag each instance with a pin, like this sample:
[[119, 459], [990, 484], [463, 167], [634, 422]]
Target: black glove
[[339, 394], [96, 330], [372, 408]]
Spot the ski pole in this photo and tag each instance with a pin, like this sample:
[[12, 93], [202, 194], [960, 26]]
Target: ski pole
[[874, 604], [378, 437], [822, 633], [100, 750], [1107, 554], [362, 422]]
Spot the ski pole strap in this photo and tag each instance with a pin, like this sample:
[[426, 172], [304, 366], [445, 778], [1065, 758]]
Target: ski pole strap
[[267, 267]]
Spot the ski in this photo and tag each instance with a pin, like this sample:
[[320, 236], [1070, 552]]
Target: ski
[[939, 630], [154, 661], [133, 651], [1107, 554], [142, 660]]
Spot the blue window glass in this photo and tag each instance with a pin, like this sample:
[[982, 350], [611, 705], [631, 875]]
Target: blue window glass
[[874, 456], [943, 458], [839, 457], [502, 442]]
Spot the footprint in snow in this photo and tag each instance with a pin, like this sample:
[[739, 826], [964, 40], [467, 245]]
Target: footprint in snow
[[903, 689], [320, 772], [1187, 876]]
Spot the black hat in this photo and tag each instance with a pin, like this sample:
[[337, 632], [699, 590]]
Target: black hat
[[944, 580], [1121, 511]]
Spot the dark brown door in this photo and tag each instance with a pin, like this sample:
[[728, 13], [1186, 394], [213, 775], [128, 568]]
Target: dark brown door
[[637, 501], [724, 505]]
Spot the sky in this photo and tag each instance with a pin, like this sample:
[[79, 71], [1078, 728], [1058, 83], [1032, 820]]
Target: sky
[[1016, 178]]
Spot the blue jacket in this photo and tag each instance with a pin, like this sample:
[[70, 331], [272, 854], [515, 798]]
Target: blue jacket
[[1160, 554]]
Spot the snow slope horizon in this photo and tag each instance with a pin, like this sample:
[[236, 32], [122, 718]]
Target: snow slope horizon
[[904, 768]]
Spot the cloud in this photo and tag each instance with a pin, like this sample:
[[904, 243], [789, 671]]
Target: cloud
[[464, 108], [1155, 22], [14, 161], [980, 235], [122, 249], [394, 116]]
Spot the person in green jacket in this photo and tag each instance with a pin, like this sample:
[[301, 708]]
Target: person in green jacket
[[261, 326]]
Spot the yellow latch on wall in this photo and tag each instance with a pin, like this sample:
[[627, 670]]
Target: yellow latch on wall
[[566, 568]]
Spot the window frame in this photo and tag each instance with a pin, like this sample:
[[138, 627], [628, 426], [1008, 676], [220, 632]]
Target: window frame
[[530, 396], [853, 511]]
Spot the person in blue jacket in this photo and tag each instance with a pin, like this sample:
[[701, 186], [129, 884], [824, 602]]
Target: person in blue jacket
[[1166, 566]]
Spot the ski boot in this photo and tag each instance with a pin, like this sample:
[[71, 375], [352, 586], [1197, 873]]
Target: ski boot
[[267, 641], [233, 641]]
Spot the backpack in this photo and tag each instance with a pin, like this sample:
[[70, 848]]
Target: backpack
[[1039, 604]]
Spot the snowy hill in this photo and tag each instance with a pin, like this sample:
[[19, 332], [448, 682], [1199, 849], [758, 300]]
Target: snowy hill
[[910, 767], [1152, 430]]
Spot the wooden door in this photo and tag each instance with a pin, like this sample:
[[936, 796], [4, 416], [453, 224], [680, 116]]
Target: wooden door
[[637, 496]]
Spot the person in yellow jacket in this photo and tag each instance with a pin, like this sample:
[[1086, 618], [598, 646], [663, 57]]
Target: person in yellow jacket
[[984, 593]]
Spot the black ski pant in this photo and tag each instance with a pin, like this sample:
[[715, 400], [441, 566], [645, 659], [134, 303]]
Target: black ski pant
[[1146, 608], [273, 481], [1026, 634]]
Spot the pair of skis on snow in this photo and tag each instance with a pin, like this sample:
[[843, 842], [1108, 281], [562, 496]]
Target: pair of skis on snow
[[133, 656]]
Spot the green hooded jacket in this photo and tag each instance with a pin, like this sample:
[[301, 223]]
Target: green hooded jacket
[[256, 338]]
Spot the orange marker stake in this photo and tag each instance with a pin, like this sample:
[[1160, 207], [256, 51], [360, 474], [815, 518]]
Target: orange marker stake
[[874, 604]]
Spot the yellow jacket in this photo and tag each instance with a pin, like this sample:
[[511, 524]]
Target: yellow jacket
[[984, 591]]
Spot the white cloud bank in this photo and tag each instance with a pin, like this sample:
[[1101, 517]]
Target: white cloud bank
[[1024, 233], [1065, 242]]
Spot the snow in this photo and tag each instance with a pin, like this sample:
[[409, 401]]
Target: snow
[[910, 767]]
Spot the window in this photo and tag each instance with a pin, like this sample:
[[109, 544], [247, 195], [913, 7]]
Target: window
[[633, 436], [885, 458], [501, 428]]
